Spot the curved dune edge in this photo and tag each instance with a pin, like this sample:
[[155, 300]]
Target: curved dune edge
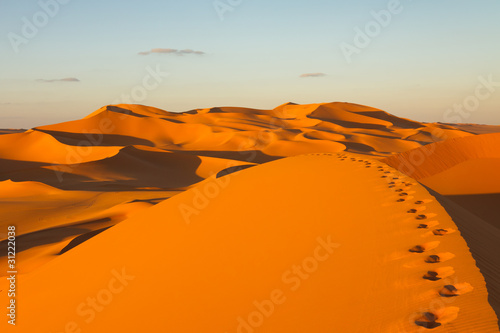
[[433, 159], [207, 261], [287, 130]]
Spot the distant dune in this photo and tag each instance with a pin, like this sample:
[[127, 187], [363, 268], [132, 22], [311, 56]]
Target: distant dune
[[304, 218], [10, 131], [476, 128]]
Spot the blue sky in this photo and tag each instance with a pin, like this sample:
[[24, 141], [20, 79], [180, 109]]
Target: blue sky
[[426, 60]]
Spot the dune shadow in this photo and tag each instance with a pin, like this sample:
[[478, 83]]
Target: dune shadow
[[251, 156], [22, 171], [118, 109], [173, 120], [95, 140], [82, 238], [484, 206], [482, 239], [233, 169], [131, 169], [153, 201], [399, 122], [49, 236], [14, 165], [351, 124], [356, 146]]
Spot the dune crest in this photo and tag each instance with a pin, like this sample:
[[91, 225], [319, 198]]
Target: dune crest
[[226, 219], [236, 262]]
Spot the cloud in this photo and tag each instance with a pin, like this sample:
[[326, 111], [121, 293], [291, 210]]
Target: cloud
[[313, 75], [172, 51], [67, 79]]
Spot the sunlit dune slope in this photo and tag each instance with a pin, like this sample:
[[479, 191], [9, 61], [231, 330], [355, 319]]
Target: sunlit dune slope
[[324, 243], [463, 169], [455, 166], [36, 146], [287, 130]]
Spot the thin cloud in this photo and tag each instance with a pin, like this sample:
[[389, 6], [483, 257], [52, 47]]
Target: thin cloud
[[313, 75], [67, 79], [172, 51]]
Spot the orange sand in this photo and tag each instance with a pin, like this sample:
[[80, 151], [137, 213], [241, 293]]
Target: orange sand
[[188, 222]]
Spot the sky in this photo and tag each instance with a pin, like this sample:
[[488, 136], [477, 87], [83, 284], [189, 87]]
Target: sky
[[426, 60]]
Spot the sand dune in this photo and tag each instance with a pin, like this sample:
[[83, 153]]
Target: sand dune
[[482, 238], [455, 167], [476, 128], [234, 219], [240, 129], [462, 169], [11, 131], [306, 269]]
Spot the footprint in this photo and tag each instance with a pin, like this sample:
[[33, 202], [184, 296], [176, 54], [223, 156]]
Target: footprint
[[432, 275], [433, 259], [455, 290], [412, 211], [383, 177], [404, 194], [424, 247], [439, 273], [428, 320], [426, 216], [399, 190], [442, 232], [419, 202], [400, 200], [439, 317], [440, 257], [428, 225]]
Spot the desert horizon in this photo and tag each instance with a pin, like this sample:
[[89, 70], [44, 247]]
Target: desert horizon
[[234, 166]]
